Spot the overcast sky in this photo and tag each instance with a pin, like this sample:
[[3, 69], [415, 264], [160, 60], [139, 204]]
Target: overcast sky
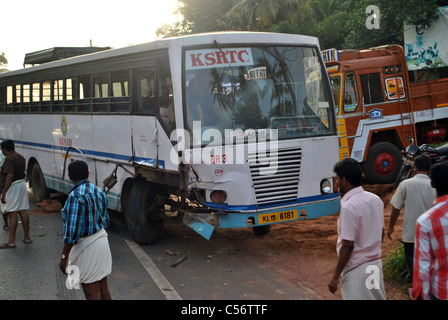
[[33, 25]]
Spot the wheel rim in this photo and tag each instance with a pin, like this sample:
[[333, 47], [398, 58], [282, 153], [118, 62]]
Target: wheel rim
[[385, 164]]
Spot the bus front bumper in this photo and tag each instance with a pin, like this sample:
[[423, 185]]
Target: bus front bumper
[[204, 224]]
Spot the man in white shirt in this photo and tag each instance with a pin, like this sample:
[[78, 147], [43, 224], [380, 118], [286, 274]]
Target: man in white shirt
[[360, 234], [414, 196]]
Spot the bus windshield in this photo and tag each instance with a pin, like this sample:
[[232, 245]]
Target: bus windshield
[[258, 87]]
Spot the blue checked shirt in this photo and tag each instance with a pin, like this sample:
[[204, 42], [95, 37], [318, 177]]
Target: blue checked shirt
[[85, 212]]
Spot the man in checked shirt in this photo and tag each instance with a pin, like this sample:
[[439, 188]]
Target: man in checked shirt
[[430, 280], [86, 246]]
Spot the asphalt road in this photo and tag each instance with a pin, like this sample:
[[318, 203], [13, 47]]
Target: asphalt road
[[181, 266]]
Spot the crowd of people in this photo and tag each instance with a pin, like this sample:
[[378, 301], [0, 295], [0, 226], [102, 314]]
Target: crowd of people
[[424, 200]]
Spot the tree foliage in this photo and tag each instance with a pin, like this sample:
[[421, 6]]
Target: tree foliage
[[337, 23], [3, 63]]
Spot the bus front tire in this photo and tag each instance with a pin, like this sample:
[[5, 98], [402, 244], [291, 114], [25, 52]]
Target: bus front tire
[[142, 214]]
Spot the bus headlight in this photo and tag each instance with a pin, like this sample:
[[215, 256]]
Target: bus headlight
[[218, 196], [325, 186]]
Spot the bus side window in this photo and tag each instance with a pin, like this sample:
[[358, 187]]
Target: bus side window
[[351, 93], [165, 94], [146, 91], [372, 90]]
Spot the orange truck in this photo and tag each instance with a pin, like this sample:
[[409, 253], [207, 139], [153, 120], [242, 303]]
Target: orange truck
[[380, 104]]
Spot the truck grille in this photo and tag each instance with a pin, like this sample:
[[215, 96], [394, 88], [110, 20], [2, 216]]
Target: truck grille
[[275, 180]]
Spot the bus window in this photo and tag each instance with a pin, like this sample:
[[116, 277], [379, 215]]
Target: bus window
[[351, 93], [18, 94], [36, 92], [46, 91], [336, 90], [9, 95], [165, 94], [58, 90], [69, 89], [101, 85], [26, 93], [120, 84], [146, 89], [372, 90]]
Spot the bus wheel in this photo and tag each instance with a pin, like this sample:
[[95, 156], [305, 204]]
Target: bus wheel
[[142, 214], [383, 163], [38, 186], [262, 230]]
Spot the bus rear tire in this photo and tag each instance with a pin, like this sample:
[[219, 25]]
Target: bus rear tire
[[383, 163], [142, 214], [38, 187]]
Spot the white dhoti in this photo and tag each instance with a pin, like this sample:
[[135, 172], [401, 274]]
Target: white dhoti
[[16, 197], [91, 255], [364, 282]]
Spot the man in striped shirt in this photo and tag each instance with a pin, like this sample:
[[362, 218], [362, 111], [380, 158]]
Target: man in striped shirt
[[86, 249], [430, 280]]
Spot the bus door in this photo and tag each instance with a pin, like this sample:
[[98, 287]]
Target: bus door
[[144, 129], [151, 131]]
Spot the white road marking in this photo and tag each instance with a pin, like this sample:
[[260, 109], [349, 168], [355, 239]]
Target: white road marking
[[154, 272]]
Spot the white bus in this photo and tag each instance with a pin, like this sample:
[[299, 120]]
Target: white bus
[[221, 130]]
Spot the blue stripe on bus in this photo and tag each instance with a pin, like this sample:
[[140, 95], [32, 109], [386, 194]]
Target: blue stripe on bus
[[114, 156]]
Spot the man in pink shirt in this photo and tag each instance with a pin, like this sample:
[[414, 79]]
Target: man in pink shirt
[[430, 279], [360, 234]]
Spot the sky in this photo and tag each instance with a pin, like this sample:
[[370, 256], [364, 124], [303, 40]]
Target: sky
[[33, 25]]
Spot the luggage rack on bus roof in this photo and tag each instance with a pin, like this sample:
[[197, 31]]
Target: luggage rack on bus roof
[[58, 53]]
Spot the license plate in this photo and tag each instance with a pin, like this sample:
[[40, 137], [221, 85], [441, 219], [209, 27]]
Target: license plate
[[277, 216]]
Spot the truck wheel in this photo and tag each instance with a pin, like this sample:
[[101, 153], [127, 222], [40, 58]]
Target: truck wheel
[[383, 163], [142, 214], [38, 187]]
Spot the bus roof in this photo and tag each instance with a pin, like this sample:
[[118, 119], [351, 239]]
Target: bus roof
[[59, 53], [188, 40]]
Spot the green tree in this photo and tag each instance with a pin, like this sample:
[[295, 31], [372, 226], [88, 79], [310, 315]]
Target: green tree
[[259, 15], [325, 19], [324, 9], [391, 18], [3, 63], [198, 16]]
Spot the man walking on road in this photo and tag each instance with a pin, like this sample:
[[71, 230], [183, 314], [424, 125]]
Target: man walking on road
[[360, 234], [86, 246], [415, 196], [14, 193]]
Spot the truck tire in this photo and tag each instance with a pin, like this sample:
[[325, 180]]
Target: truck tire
[[38, 186], [383, 163], [142, 214]]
